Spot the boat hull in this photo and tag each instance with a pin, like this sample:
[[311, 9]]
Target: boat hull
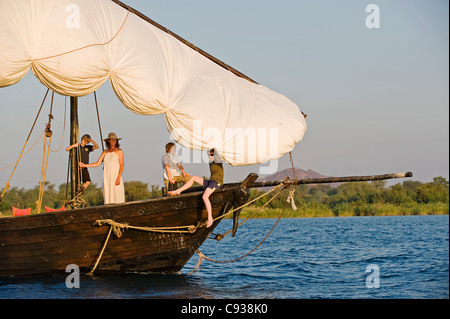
[[45, 244]]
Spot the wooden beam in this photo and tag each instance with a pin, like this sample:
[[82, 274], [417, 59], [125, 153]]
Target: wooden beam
[[327, 180]]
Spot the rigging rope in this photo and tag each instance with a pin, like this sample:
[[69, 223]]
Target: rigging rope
[[219, 237], [47, 133], [98, 119], [119, 227], [64, 127], [282, 186], [292, 164], [7, 186], [46, 153], [23, 155], [202, 256], [79, 175]]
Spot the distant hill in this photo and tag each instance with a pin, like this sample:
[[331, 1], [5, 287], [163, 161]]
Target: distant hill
[[300, 174]]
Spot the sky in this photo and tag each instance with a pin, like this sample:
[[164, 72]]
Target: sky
[[377, 99]]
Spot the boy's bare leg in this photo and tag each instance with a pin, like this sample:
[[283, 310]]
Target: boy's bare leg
[[189, 184], [208, 205]]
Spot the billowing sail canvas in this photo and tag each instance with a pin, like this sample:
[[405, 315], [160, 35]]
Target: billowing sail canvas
[[74, 46]]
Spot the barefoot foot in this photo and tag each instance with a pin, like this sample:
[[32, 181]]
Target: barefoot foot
[[173, 193], [210, 222]]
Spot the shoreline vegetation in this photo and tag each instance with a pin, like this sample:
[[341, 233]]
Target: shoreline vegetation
[[325, 200], [368, 210], [357, 199]]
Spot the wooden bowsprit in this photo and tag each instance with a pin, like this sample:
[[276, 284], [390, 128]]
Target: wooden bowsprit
[[329, 180]]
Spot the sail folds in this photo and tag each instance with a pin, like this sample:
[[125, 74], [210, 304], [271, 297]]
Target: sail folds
[[74, 46]]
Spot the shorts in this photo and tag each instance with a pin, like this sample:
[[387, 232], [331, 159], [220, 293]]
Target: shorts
[[85, 175], [211, 184]]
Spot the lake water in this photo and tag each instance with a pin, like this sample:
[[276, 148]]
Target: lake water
[[399, 257]]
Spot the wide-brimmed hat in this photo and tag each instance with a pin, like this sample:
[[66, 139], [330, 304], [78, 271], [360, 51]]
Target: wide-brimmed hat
[[112, 136]]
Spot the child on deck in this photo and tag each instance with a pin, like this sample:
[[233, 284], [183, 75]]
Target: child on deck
[[84, 151]]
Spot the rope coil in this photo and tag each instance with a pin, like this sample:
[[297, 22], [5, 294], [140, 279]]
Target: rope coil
[[77, 202]]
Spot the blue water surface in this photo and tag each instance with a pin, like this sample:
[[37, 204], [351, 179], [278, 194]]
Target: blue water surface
[[400, 257]]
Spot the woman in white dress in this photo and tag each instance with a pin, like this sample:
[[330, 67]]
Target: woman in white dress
[[112, 158]]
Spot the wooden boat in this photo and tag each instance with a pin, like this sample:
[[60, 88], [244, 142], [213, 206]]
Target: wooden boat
[[162, 233], [45, 244]]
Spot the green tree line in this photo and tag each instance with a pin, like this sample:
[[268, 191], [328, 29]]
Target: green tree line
[[361, 199], [346, 199], [56, 197]]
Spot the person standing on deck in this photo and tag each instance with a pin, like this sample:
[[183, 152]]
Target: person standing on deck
[[113, 159], [214, 182]]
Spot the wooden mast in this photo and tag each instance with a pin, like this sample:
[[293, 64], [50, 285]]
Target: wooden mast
[[74, 138]]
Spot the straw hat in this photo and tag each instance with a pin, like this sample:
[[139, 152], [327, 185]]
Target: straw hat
[[112, 136]]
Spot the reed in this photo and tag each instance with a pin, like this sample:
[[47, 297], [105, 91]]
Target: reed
[[347, 210]]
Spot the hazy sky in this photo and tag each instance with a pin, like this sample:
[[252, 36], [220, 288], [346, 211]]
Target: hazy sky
[[377, 99]]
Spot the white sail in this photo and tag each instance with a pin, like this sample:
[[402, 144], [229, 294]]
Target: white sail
[[74, 46]]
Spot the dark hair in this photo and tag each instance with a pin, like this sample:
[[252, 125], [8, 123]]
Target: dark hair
[[169, 146], [86, 136], [109, 144]]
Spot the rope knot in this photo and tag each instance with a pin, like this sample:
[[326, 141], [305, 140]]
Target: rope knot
[[219, 237], [192, 229], [116, 227]]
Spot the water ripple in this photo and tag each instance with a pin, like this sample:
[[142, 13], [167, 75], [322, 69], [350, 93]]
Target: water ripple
[[303, 258]]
